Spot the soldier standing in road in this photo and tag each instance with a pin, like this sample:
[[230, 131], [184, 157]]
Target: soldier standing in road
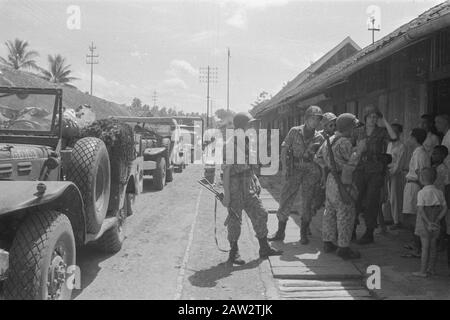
[[301, 173], [339, 215], [241, 192]]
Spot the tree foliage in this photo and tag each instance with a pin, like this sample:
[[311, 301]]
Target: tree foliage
[[18, 55]]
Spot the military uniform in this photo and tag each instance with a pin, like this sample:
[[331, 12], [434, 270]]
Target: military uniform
[[339, 217], [370, 174], [244, 190], [244, 196], [298, 191]]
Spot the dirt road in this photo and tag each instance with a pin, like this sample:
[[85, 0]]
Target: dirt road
[[170, 251]]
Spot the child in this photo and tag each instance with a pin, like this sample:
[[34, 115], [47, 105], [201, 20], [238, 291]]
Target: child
[[431, 208], [419, 161], [397, 150]]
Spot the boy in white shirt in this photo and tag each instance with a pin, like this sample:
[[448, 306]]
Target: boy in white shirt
[[419, 161], [431, 209]]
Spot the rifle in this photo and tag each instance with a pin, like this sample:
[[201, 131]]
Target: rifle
[[218, 196], [346, 197]]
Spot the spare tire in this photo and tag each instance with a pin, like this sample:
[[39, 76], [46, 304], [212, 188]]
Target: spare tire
[[89, 168]]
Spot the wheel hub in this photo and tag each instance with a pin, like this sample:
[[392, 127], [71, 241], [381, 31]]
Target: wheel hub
[[56, 276]]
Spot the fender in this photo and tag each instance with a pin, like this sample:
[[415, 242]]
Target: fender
[[61, 195]]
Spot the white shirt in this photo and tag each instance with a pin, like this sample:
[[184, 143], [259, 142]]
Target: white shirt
[[397, 151], [419, 160], [430, 196]]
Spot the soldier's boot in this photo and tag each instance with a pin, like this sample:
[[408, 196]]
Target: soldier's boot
[[265, 250], [233, 256], [329, 247], [304, 226], [281, 232], [346, 253], [367, 237]]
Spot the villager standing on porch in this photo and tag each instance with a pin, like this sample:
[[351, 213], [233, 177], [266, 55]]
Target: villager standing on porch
[[432, 140], [301, 173], [372, 168]]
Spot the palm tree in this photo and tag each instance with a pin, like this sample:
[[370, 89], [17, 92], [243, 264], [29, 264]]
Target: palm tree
[[19, 57], [58, 71]]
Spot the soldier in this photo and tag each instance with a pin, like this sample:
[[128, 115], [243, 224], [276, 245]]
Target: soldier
[[241, 191], [372, 168], [339, 215], [301, 173], [328, 124]]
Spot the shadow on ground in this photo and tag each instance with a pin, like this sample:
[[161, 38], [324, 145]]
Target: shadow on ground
[[208, 278]]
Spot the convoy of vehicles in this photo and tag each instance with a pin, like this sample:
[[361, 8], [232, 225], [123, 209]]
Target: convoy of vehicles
[[164, 147], [57, 192]]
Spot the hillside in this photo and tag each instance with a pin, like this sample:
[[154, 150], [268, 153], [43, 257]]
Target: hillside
[[72, 98]]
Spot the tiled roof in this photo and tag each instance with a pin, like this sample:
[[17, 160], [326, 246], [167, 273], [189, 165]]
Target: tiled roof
[[336, 73]]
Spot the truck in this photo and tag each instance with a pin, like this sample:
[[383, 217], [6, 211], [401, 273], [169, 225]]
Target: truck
[[58, 191], [163, 147]]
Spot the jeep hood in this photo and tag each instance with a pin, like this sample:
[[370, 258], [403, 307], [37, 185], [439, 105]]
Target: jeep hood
[[21, 162]]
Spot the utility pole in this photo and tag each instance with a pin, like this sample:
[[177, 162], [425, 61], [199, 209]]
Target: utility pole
[[90, 60], [208, 75], [154, 98], [228, 80], [373, 29]]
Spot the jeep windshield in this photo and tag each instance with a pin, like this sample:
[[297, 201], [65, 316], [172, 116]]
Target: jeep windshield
[[24, 111]]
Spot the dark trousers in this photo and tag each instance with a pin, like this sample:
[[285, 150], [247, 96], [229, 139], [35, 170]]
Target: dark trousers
[[369, 200]]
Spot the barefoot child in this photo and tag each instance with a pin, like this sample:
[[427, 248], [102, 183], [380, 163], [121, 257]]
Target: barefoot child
[[431, 208]]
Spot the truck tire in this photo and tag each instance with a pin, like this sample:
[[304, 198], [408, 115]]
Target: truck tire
[[159, 176], [112, 240], [89, 168], [169, 175], [41, 252]]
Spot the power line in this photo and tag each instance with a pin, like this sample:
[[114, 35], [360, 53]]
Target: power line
[[90, 60], [208, 75]]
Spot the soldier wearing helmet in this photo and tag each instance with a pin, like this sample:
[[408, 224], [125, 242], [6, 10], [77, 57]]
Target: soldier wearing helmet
[[241, 192], [301, 174], [372, 168], [339, 214]]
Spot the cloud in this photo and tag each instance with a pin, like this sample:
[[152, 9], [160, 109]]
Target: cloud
[[138, 54], [238, 19], [180, 67], [201, 36], [174, 83]]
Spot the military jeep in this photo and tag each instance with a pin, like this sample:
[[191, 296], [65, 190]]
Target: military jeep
[[163, 147], [57, 192]]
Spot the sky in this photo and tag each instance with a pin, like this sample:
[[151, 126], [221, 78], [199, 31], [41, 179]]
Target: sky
[[159, 46]]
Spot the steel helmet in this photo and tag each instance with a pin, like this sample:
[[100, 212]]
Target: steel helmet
[[346, 121], [328, 117], [241, 119], [313, 111]]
